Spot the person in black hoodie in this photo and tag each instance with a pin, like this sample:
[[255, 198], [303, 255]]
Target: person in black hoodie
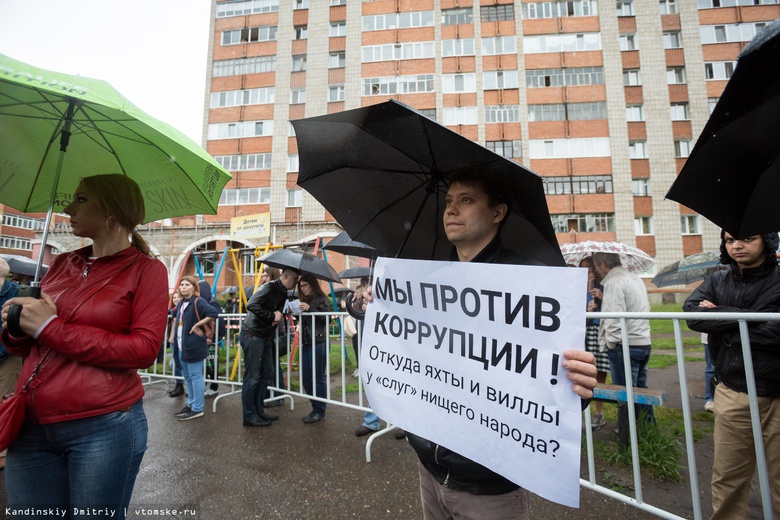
[[752, 284], [451, 485]]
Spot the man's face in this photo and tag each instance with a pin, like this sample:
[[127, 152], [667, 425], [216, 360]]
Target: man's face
[[746, 252], [468, 218], [600, 268]]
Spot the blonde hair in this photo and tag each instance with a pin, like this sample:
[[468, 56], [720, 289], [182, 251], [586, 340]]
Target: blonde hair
[[121, 198], [4, 270]]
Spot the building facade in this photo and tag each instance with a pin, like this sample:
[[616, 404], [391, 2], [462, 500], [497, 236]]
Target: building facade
[[604, 100]]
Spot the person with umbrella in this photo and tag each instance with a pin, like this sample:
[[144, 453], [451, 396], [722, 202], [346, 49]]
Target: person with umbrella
[[451, 485], [264, 313], [100, 318], [751, 284], [314, 334]]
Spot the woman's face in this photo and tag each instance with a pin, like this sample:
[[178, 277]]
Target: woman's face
[[87, 218], [176, 298], [186, 288], [306, 289], [266, 277]]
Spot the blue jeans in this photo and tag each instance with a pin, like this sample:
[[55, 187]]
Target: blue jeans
[[80, 464], [176, 362], [709, 372], [371, 421], [258, 370], [314, 364], [640, 355], [195, 383]]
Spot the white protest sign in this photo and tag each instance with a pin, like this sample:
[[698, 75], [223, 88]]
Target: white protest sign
[[469, 356]]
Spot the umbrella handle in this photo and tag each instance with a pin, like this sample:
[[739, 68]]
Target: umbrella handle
[[15, 315], [352, 311]]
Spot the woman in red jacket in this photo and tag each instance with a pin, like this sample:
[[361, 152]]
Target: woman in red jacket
[[100, 318]]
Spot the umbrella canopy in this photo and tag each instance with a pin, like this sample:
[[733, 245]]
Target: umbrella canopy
[[383, 172], [356, 272], [732, 176], [19, 264], [103, 133], [343, 244], [229, 290], [689, 269], [633, 259], [302, 262]]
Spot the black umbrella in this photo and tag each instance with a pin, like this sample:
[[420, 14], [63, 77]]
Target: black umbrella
[[689, 269], [302, 262], [383, 171], [732, 176], [343, 244], [19, 264], [356, 272]]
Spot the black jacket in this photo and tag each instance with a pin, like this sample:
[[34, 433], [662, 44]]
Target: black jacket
[[753, 290], [449, 467], [319, 303], [259, 321]]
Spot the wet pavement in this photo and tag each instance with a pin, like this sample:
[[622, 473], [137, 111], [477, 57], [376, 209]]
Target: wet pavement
[[215, 468]]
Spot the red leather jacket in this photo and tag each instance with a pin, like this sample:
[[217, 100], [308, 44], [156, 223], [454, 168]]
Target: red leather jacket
[[110, 322]]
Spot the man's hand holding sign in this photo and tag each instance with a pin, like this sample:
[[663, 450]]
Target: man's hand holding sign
[[479, 367]]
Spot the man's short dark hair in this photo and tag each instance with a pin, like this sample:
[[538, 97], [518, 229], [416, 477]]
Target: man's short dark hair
[[611, 260], [497, 193]]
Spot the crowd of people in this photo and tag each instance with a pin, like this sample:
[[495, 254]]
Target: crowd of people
[[104, 309]]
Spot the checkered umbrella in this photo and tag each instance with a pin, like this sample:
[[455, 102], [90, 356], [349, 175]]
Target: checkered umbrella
[[633, 259]]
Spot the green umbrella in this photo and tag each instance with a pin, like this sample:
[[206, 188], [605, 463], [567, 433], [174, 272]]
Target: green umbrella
[[44, 114]]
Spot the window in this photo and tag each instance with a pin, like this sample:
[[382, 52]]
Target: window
[[240, 129], [565, 148], [402, 51], [464, 47], [640, 187], [583, 223], [453, 83], [301, 4], [578, 185], [675, 75], [682, 148], [502, 114], [242, 7], [637, 150], [403, 20], [398, 85], [236, 197], [672, 40], [668, 6], [338, 2], [301, 32], [711, 103], [337, 60], [586, 111], [9, 242], [292, 163], [628, 42], [241, 66], [20, 221], [236, 98], [508, 149], [497, 13], [719, 69], [252, 161], [634, 113], [679, 112], [297, 96], [689, 225], [643, 225], [707, 4], [249, 35], [544, 78], [499, 79], [625, 7], [460, 116], [559, 9], [335, 93], [499, 45], [631, 78], [299, 63], [567, 42], [457, 15], [294, 198], [551, 112], [338, 29], [727, 33]]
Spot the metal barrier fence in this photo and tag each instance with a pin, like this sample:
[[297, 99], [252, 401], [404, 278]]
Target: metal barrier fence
[[228, 372]]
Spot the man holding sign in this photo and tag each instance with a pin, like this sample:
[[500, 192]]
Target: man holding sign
[[453, 485]]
